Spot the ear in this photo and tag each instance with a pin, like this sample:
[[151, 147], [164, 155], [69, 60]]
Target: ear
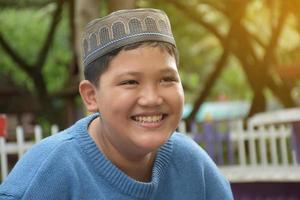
[[88, 94]]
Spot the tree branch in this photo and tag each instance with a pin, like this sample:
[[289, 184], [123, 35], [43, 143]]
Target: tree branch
[[217, 5], [17, 4], [219, 66], [15, 57], [276, 31], [282, 91], [42, 55], [195, 16]]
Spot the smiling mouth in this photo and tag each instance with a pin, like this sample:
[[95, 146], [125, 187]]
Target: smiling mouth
[[149, 118]]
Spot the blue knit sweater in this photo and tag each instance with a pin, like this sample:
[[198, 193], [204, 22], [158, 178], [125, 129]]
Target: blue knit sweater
[[69, 165]]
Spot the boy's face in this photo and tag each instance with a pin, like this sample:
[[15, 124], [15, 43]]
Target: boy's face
[[140, 100]]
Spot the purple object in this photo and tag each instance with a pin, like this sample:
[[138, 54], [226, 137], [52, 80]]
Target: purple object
[[266, 190]]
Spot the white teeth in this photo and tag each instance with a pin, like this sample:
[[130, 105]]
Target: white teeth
[[148, 119]]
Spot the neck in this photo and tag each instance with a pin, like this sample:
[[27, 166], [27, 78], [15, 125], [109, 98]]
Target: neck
[[138, 167]]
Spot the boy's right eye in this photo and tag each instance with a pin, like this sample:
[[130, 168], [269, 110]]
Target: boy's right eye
[[129, 82]]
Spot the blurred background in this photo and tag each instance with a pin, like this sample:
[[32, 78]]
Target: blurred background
[[238, 59]]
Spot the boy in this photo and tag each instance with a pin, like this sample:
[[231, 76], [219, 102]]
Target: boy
[[128, 149]]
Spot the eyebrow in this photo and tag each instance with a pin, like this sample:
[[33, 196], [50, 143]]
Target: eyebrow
[[133, 73], [168, 70], [129, 74]]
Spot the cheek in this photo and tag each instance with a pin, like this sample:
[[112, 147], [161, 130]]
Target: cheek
[[116, 102], [180, 93], [175, 98], [181, 102]]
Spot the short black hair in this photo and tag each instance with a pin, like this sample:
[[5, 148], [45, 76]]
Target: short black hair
[[95, 69]]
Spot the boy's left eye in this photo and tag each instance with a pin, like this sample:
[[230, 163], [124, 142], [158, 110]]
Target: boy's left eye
[[169, 79], [129, 82]]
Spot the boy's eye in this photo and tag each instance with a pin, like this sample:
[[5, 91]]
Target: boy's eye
[[129, 82], [169, 79]]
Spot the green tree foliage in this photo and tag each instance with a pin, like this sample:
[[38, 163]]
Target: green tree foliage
[[37, 59], [25, 30]]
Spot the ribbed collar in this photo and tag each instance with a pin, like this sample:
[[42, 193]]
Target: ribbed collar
[[111, 173]]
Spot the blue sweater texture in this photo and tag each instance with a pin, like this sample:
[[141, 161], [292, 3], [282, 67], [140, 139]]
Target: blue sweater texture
[[69, 165]]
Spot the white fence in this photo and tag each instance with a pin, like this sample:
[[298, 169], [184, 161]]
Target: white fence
[[265, 153], [265, 143], [268, 156], [20, 146]]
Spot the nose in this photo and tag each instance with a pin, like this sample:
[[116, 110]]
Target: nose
[[150, 96]]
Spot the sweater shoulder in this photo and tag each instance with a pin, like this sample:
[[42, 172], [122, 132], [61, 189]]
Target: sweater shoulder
[[186, 145], [188, 156], [186, 150], [46, 147], [32, 164]]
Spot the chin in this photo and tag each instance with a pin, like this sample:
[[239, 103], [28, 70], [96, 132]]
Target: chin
[[152, 144]]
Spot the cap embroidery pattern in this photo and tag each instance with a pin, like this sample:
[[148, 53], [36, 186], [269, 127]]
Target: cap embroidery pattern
[[122, 28]]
